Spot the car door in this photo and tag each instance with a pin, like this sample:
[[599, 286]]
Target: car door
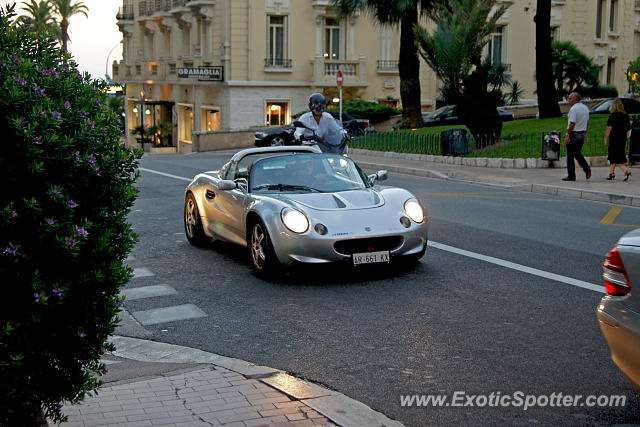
[[225, 208]]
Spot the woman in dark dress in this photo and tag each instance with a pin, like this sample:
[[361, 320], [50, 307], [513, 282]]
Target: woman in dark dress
[[615, 137]]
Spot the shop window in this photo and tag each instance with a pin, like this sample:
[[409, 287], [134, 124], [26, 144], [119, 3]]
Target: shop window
[[185, 122], [210, 119], [277, 113]]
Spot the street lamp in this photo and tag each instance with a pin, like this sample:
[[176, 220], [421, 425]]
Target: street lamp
[[106, 66]]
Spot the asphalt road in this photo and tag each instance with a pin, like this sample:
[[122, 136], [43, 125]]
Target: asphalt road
[[451, 323]]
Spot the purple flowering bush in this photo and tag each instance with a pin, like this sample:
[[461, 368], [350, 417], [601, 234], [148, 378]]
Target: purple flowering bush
[[67, 187]]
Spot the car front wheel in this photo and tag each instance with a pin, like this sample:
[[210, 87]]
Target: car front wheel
[[277, 141], [263, 258], [193, 223]]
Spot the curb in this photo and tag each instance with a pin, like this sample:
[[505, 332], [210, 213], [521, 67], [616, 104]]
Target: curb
[[573, 193], [335, 406], [481, 162]]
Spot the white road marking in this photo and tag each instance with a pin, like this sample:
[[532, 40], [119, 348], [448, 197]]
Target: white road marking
[[148, 292], [141, 272], [166, 174], [486, 258], [520, 267], [168, 314]]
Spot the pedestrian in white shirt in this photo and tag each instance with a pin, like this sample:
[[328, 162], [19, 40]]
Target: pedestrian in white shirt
[[576, 136]]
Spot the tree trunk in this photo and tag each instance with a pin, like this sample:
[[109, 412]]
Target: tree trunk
[[547, 97], [64, 33], [409, 68]]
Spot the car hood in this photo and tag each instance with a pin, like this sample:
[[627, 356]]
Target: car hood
[[344, 200]]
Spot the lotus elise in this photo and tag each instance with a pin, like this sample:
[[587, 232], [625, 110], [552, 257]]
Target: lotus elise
[[296, 205]]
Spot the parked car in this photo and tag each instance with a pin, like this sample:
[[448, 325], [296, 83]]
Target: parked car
[[275, 137], [631, 106], [450, 115], [283, 135], [619, 311], [296, 205]]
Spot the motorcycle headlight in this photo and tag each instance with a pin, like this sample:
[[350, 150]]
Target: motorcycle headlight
[[414, 211], [294, 220]]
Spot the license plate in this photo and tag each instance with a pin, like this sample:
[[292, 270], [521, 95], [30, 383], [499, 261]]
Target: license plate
[[370, 257]]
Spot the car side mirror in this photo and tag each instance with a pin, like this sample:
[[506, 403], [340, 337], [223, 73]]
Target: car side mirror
[[381, 175], [299, 124], [227, 184]]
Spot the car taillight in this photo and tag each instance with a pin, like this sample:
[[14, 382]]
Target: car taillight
[[365, 125], [615, 277]]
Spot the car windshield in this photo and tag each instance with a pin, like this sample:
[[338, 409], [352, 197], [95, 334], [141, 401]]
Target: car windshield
[[441, 110], [307, 173], [603, 106]]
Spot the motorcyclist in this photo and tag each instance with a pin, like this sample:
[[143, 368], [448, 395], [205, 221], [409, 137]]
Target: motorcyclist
[[329, 133]]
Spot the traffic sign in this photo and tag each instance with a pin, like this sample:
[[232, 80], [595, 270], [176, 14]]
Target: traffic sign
[[339, 79]]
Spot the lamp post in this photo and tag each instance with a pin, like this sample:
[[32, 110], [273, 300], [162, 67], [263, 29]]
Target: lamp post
[[106, 66]]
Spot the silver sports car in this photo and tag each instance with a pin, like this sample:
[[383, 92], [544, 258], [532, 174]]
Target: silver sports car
[[619, 311], [291, 205]]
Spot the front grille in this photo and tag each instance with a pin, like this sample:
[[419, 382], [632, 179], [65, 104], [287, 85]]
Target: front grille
[[370, 244]]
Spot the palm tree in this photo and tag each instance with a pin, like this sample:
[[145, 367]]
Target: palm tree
[[65, 10], [547, 97], [39, 16], [405, 13], [463, 28]]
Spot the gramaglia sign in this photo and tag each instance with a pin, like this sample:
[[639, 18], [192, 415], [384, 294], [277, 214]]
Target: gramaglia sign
[[201, 73]]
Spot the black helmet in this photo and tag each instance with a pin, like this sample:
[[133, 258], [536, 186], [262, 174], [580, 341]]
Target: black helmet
[[317, 100]]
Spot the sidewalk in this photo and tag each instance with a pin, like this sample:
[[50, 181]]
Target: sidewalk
[[157, 384], [538, 180]]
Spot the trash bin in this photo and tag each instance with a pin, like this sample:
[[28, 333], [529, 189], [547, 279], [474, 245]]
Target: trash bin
[[454, 142], [551, 145], [634, 141]]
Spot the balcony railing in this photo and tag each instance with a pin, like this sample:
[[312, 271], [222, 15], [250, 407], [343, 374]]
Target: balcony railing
[[125, 12], [349, 69], [149, 7], [142, 8], [277, 63], [387, 65]]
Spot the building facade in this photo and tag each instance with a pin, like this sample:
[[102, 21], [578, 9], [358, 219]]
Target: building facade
[[608, 31], [210, 65]]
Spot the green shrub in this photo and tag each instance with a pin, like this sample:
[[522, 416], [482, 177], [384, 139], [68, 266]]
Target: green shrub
[[373, 111], [599, 92], [67, 189]]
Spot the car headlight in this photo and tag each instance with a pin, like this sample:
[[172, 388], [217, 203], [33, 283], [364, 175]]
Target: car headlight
[[260, 135], [294, 220], [414, 210]]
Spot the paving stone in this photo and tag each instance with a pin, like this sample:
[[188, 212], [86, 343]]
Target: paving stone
[[252, 415]]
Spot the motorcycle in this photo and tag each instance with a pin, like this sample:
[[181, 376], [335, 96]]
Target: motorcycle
[[332, 143]]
